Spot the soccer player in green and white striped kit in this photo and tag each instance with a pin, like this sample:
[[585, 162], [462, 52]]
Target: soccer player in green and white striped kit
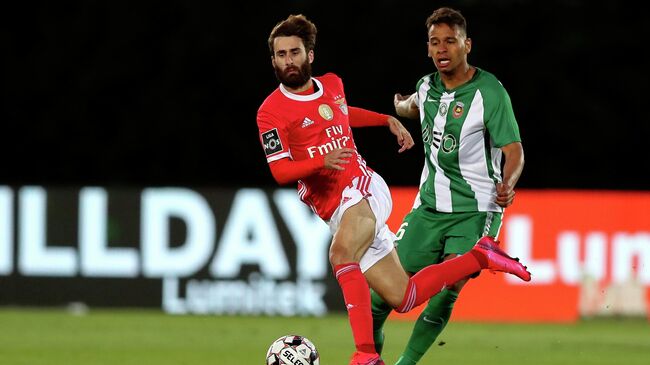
[[468, 125]]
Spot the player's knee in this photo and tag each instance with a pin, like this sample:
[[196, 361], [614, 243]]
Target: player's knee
[[341, 254], [396, 304], [401, 306], [391, 301], [396, 297], [343, 251]]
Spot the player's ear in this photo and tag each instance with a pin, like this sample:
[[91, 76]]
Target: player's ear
[[310, 56], [468, 45], [273, 61]]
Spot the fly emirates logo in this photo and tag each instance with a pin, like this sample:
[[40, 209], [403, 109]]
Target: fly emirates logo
[[337, 140]]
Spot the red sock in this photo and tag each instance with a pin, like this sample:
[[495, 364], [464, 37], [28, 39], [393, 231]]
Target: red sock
[[356, 294], [433, 278]]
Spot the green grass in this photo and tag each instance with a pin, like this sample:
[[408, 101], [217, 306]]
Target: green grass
[[138, 337]]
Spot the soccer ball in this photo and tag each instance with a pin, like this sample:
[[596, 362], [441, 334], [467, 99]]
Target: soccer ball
[[292, 350]]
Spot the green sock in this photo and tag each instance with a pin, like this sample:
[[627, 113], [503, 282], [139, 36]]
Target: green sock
[[380, 311], [428, 326], [403, 360]]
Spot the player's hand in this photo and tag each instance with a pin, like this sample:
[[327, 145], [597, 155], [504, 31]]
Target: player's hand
[[338, 157], [404, 138], [398, 99], [505, 195], [405, 106]]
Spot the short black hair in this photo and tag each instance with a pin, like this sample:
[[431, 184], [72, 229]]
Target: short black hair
[[447, 16]]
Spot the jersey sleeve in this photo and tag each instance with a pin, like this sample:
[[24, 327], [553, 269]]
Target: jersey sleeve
[[500, 117], [366, 118], [418, 89], [273, 136], [285, 171]]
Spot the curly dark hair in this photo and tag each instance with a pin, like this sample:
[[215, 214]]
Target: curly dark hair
[[295, 25]]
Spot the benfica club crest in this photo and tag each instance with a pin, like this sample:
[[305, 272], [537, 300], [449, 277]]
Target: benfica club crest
[[458, 109], [342, 105]]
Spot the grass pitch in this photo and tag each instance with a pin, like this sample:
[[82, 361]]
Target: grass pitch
[[138, 337]]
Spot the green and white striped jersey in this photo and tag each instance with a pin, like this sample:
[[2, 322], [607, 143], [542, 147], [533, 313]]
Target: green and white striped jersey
[[462, 130]]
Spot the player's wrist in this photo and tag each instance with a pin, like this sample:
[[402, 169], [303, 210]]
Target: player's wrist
[[319, 162]]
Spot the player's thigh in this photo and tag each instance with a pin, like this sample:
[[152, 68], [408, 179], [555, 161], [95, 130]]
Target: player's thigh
[[388, 279], [466, 228], [356, 230], [419, 240]]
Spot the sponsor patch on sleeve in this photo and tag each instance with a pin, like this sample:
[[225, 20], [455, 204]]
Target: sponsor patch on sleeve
[[271, 141]]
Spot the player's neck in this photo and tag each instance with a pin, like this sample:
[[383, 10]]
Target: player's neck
[[309, 85], [458, 77]]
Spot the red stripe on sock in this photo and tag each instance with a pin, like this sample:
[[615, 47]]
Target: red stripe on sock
[[432, 279], [409, 298]]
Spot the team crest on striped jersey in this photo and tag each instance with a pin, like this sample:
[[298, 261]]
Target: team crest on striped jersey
[[326, 112], [443, 109], [458, 109]]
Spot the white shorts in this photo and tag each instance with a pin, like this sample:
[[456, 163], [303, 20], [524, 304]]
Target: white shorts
[[375, 190]]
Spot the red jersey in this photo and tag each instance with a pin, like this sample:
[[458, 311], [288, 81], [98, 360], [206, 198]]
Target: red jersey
[[302, 127]]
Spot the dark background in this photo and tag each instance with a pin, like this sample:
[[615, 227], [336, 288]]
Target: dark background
[[166, 92]]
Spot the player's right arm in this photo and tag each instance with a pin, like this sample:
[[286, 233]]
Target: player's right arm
[[406, 106], [285, 171], [274, 138]]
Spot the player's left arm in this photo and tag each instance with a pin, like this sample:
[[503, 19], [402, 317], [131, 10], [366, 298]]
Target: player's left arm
[[364, 118], [512, 168], [504, 131]]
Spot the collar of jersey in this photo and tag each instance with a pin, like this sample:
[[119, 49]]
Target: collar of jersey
[[309, 97]]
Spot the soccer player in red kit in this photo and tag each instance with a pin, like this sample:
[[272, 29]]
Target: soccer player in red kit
[[305, 132]]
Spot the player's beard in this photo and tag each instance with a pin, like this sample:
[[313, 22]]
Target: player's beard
[[294, 80]]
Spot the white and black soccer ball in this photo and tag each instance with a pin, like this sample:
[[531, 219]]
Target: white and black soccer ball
[[292, 350]]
